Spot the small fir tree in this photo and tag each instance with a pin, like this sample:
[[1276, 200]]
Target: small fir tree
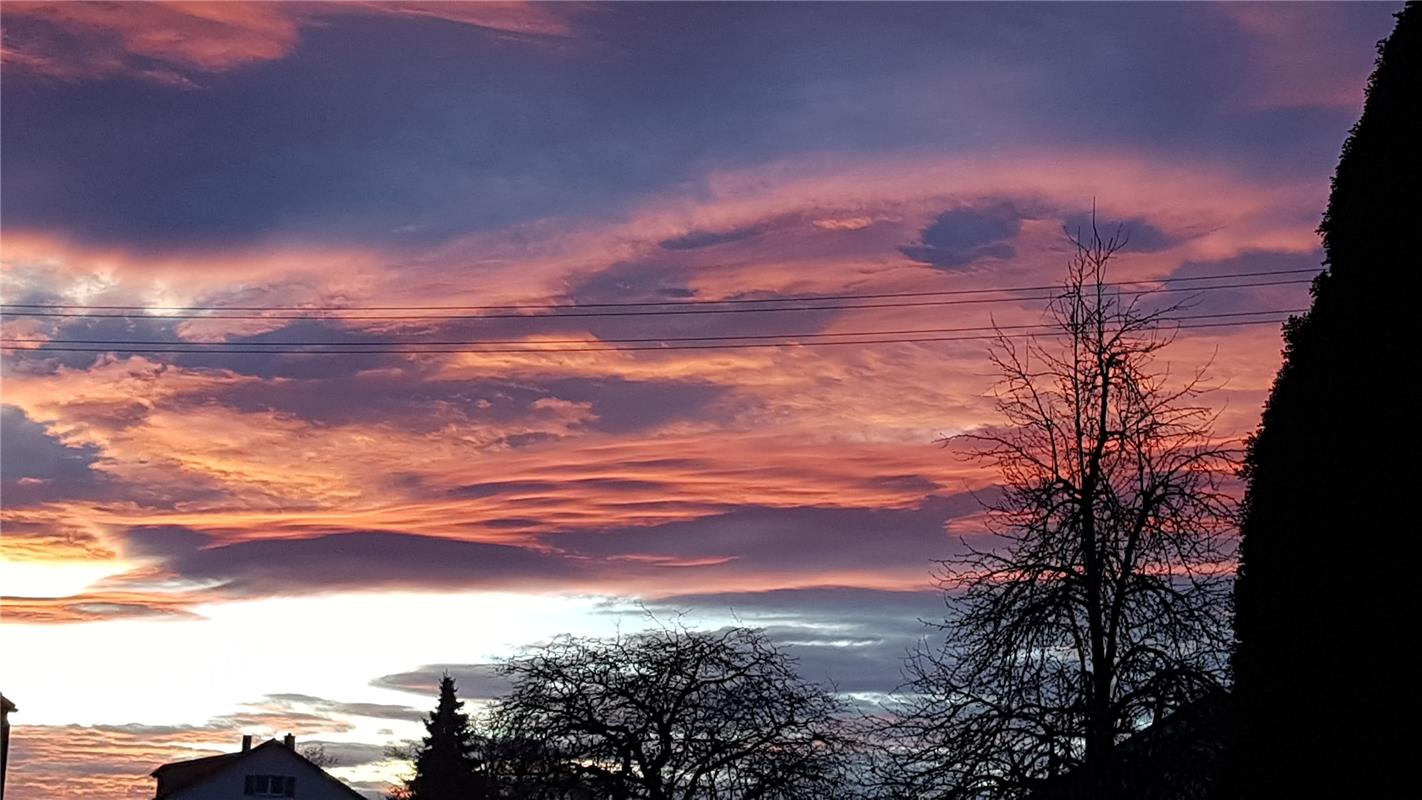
[[445, 764]]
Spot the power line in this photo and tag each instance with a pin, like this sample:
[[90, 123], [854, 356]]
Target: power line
[[426, 351], [326, 314], [639, 340], [555, 307]]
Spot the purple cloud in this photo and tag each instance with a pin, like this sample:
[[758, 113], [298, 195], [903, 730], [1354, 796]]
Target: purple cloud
[[962, 236]]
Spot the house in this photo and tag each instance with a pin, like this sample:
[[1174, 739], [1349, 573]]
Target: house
[[1181, 757], [271, 769]]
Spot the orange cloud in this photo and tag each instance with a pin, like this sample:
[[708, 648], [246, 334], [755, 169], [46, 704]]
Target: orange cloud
[[110, 762], [94, 607], [115, 761]]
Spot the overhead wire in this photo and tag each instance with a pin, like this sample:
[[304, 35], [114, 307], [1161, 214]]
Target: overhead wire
[[326, 314], [646, 303], [426, 350], [631, 340]]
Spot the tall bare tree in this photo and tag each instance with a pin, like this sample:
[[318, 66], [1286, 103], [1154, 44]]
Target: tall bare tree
[[673, 714], [1103, 603]]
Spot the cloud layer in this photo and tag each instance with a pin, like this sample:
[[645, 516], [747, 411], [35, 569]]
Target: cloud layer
[[421, 155]]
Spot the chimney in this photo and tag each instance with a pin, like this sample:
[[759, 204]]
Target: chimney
[[289, 741], [246, 742]]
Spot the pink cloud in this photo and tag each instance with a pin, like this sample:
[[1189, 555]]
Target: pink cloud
[[82, 41], [797, 427], [185, 37], [512, 17]]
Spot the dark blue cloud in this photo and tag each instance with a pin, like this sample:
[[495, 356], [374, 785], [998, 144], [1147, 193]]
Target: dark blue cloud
[[852, 638], [1249, 299], [667, 276], [511, 488], [1255, 261], [500, 488], [453, 128], [962, 236], [422, 403], [633, 281], [321, 705], [301, 365], [162, 540], [696, 240], [847, 603], [355, 754], [624, 406], [1140, 235], [757, 539], [473, 681], [368, 560], [382, 385], [776, 540], [38, 467], [149, 336]]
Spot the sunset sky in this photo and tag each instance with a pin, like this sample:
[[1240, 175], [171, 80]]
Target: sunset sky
[[204, 544]]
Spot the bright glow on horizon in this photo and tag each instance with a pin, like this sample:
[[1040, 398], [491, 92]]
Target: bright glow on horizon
[[35, 578], [191, 671]]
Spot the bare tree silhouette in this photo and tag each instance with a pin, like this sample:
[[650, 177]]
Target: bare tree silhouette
[[526, 765], [674, 714], [1103, 604], [317, 754]]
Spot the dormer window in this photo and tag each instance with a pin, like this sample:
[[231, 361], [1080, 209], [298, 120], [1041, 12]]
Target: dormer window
[[269, 786]]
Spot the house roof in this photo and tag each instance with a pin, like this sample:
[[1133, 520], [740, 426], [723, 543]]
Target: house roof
[[179, 775], [1178, 758], [182, 774]]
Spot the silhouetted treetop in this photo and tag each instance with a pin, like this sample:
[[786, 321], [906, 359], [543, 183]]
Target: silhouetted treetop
[[675, 714], [1319, 599], [1099, 606], [445, 763]]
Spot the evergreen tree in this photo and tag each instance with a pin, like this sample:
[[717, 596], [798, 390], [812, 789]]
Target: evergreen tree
[[1319, 605], [445, 764]]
